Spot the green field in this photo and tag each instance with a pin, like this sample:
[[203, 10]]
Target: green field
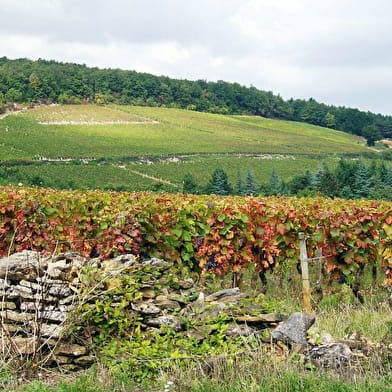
[[173, 132], [140, 148]]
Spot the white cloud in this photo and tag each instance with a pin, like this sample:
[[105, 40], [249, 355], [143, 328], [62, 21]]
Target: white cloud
[[337, 51]]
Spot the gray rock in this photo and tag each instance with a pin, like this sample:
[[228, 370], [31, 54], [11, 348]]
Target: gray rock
[[51, 330], [157, 263], [52, 315], [148, 292], [11, 315], [74, 350], [294, 330], [17, 345], [118, 264], [20, 291], [168, 304], [32, 286], [59, 290], [85, 360], [172, 321], [222, 293], [69, 300], [235, 330], [334, 356], [8, 305], [31, 306], [269, 318], [146, 308], [22, 265], [26, 293], [186, 284]]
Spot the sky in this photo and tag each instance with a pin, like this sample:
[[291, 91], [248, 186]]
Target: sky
[[336, 51]]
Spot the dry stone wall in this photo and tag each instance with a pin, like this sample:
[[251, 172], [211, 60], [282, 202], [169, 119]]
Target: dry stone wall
[[42, 297], [45, 301]]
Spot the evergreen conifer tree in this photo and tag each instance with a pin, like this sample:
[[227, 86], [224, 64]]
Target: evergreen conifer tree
[[388, 177], [383, 172], [240, 189], [251, 187], [316, 177], [219, 184], [345, 172], [189, 185], [362, 182], [275, 183]]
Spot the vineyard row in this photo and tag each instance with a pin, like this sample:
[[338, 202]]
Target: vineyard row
[[209, 233]]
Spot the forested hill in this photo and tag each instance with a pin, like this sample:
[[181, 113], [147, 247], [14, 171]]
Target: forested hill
[[23, 80]]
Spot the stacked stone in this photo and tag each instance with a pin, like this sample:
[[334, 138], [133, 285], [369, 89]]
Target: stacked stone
[[38, 294]]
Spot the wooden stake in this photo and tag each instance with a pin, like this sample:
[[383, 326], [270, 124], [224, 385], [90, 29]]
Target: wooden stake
[[305, 273]]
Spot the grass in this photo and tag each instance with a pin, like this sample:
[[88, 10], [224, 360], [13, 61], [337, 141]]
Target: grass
[[152, 137], [253, 374], [82, 114], [264, 369], [177, 132], [82, 176]]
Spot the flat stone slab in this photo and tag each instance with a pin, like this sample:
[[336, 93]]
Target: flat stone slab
[[222, 293], [261, 319], [22, 265], [171, 321]]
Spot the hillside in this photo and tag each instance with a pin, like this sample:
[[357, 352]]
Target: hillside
[[144, 148], [23, 80], [90, 131]]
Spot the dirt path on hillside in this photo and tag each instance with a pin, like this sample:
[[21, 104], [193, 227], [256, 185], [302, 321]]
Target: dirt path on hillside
[[157, 179]]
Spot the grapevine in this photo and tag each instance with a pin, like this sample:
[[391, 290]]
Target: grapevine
[[208, 233]]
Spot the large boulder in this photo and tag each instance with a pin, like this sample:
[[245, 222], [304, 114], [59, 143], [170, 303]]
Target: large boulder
[[294, 330]]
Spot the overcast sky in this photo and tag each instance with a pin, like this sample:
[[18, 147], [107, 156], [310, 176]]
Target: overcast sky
[[336, 51]]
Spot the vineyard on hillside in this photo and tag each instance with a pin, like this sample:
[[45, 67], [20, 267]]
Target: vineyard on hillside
[[209, 233]]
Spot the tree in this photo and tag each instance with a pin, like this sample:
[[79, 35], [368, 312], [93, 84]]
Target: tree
[[251, 187], [36, 85], [239, 189], [13, 95], [371, 133], [300, 183], [218, 184], [189, 185], [362, 182], [275, 183], [330, 120], [328, 185], [345, 172]]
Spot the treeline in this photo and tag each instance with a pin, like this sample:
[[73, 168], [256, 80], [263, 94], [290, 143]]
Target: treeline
[[23, 80], [349, 180]]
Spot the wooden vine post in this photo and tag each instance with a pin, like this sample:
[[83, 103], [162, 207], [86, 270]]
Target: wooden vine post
[[305, 273]]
